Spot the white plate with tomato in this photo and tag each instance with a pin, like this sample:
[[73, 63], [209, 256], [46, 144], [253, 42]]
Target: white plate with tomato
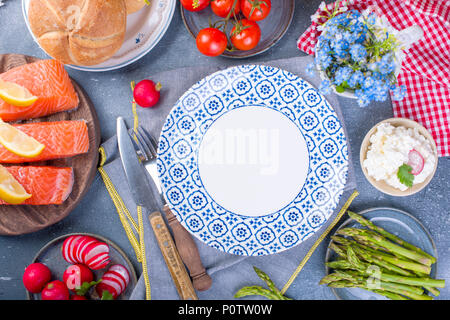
[[80, 266], [236, 28]]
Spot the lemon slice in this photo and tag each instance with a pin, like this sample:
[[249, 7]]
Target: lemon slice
[[16, 95], [11, 191], [19, 142]]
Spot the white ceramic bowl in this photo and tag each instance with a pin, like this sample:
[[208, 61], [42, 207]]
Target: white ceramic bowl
[[382, 185]]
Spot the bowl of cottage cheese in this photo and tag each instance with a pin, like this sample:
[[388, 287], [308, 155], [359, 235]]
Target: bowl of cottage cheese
[[398, 156]]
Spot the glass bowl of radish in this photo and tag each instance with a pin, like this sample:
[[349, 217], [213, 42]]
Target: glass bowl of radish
[[398, 156]]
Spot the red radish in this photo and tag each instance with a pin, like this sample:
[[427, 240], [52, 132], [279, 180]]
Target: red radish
[[78, 297], [115, 281], [99, 261], [55, 290], [415, 161], [146, 93], [75, 275], [94, 249], [102, 287], [72, 246], [82, 247], [122, 271], [65, 248], [36, 276]]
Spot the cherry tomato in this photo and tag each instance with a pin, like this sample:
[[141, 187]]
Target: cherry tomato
[[36, 276], [245, 34], [211, 42], [223, 7], [255, 10], [195, 5], [75, 275], [55, 290]]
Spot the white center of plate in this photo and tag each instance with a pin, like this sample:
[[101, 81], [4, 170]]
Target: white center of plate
[[253, 161]]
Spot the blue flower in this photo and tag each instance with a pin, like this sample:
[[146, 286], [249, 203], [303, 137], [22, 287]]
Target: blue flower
[[399, 93], [357, 78], [358, 52], [362, 98], [342, 74], [310, 69], [325, 86]]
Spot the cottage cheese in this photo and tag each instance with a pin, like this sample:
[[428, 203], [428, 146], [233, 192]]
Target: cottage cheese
[[389, 150]]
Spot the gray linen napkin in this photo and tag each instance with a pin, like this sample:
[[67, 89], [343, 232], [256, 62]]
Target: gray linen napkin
[[229, 272]]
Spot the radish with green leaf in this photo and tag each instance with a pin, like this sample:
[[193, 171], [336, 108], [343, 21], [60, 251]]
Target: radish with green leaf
[[113, 282]]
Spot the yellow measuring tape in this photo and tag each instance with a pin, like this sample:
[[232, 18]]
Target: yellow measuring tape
[[318, 241], [124, 214]]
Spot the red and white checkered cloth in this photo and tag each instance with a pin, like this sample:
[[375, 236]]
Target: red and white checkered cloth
[[426, 68]]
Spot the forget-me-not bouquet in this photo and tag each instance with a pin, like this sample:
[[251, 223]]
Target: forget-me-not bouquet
[[358, 53]]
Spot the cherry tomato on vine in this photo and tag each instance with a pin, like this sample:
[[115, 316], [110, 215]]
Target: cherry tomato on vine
[[211, 42], [195, 5], [245, 34], [255, 10], [223, 7]]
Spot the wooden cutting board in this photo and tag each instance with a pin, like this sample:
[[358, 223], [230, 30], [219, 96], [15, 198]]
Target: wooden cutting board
[[21, 219]]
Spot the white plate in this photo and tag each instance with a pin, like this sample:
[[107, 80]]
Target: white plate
[[145, 28], [252, 160]]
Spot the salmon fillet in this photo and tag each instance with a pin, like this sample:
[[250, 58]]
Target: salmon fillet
[[62, 139], [47, 185], [45, 79]]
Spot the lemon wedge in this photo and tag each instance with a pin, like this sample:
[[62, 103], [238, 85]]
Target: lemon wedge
[[19, 142], [11, 191], [16, 95]]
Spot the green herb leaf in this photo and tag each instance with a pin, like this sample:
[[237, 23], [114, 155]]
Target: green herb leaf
[[340, 89], [405, 176], [106, 295], [85, 286]]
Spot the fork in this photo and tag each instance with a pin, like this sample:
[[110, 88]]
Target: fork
[[147, 153]]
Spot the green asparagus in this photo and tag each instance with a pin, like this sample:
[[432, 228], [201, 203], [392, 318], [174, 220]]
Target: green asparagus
[[381, 241], [369, 224]]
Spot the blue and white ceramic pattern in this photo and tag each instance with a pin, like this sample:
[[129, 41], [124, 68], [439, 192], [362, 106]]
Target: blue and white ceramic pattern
[[207, 101]]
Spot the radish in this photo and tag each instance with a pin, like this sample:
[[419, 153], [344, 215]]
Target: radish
[[94, 249], [115, 281], [102, 287], [98, 261], [415, 161], [36, 276], [117, 278], [77, 274], [146, 93], [72, 247], [82, 247], [122, 271], [66, 249]]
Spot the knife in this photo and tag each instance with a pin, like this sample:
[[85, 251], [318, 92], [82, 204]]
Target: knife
[[187, 248], [142, 194]]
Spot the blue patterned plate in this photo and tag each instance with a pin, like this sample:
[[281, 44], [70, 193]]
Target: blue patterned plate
[[145, 28], [252, 160]]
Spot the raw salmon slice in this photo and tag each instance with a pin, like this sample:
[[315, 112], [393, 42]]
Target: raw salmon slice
[[46, 79], [62, 139], [47, 185]]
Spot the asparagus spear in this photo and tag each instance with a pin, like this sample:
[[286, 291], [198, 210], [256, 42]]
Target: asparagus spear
[[272, 293], [381, 241], [389, 287], [369, 224], [256, 291]]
